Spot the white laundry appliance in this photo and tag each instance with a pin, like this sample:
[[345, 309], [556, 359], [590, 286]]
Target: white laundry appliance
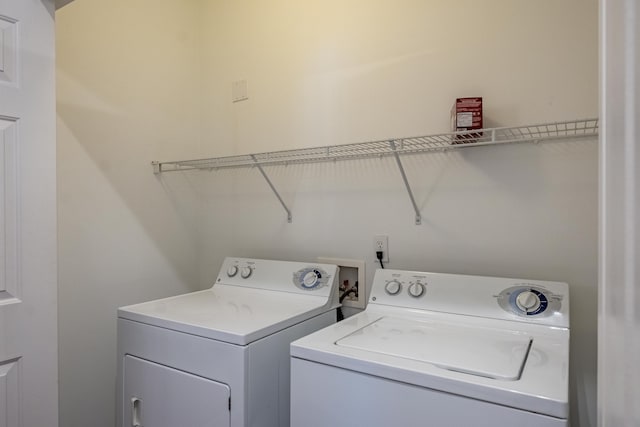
[[439, 350], [220, 357]]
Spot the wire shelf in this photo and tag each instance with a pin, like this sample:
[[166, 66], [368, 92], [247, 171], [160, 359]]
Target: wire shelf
[[390, 147]]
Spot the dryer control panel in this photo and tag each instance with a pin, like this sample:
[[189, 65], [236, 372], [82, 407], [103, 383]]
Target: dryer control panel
[[285, 276], [532, 301], [310, 278]]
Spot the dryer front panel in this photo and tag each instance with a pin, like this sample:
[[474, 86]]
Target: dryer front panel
[[158, 396]]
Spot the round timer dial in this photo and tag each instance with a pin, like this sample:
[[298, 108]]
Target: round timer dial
[[310, 278], [528, 300], [232, 271], [416, 289], [393, 287], [246, 272]]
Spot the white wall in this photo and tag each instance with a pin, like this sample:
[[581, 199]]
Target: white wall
[[337, 72], [619, 287], [319, 73], [128, 81]]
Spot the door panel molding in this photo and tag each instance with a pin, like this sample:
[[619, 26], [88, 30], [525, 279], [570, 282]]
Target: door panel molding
[[8, 50], [9, 392], [9, 248]]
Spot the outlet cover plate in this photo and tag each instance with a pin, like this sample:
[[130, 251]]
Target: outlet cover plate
[[381, 243]]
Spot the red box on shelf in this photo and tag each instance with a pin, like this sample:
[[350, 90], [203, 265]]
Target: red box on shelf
[[466, 114]]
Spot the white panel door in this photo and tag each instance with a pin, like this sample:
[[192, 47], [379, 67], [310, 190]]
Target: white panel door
[[159, 396], [28, 317]]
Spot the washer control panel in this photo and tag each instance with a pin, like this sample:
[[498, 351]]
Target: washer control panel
[[526, 299], [534, 301], [412, 285], [245, 270]]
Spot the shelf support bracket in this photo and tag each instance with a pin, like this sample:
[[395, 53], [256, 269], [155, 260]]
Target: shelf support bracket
[[266, 178], [392, 143], [157, 167]]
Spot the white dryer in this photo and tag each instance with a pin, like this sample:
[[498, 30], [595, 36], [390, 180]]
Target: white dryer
[[220, 357], [439, 350]]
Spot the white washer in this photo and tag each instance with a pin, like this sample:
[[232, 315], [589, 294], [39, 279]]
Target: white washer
[[220, 357], [439, 350]]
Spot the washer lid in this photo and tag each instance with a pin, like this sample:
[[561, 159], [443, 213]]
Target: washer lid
[[485, 352], [231, 314]]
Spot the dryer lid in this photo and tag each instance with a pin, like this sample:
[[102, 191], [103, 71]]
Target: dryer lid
[[482, 351]]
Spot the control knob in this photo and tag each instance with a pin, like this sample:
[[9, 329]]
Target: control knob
[[246, 272], [393, 287], [310, 279], [528, 301], [416, 289], [232, 271]]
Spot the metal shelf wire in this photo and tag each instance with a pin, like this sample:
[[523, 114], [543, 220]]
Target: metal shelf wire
[[409, 145], [390, 147]]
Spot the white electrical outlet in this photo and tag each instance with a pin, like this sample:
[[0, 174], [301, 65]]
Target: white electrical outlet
[[381, 243]]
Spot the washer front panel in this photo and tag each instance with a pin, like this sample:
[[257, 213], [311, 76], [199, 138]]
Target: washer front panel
[[392, 403]]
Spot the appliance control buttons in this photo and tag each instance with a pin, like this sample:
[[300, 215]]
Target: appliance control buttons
[[311, 278], [246, 272], [393, 287], [528, 301], [416, 289], [232, 270]]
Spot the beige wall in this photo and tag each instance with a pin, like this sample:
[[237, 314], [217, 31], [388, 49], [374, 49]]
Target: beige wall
[[326, 73], [337, 72], [128, 85]]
